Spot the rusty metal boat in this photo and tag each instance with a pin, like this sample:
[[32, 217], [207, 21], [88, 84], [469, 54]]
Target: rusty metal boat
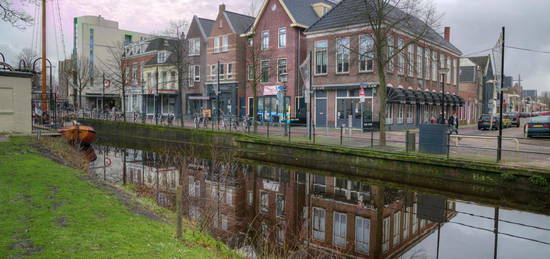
[[78, 134]]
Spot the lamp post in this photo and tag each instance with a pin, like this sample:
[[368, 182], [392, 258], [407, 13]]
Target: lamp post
[[443, 71]]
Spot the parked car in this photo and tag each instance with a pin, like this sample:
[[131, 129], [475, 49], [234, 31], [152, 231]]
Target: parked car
[[514, 118], [538, 127], [506, 121], [487, 121], [524, 114]]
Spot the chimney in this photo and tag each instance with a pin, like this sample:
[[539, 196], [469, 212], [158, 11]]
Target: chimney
[[447, 33], [222, 8]]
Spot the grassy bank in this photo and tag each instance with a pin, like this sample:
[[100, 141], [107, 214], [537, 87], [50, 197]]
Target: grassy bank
[[52, 211]]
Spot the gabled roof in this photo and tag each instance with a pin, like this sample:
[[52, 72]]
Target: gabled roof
[[205, 26], [239, 22], [481, 61], [160, 44], [353, 12], [300, 12]]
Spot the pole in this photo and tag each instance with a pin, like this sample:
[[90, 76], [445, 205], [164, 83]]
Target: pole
[[155, 96], [443, 101], [179, 194], [218, 93], [438, 235], [103, 95], [341, 134], [43, 86], [142, 99], [495, 230], [310, 108], [501, 101]]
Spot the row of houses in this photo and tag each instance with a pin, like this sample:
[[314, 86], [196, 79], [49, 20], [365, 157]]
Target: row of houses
[[235, 59], [280, 211]]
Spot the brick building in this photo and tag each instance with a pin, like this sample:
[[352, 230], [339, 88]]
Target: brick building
[[277, 39], [471, 89], [226, 47], [197, 38], [341, 73]]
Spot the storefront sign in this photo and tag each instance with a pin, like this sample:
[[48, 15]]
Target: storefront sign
[[272, 89]]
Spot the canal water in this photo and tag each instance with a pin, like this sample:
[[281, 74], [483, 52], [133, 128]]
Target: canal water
[[266, 210]]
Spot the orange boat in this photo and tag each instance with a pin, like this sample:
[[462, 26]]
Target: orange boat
[[79, 134]]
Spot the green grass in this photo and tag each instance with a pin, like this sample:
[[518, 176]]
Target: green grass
[[48, 211]]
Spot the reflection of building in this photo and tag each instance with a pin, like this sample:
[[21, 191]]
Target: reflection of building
[[285, 212]]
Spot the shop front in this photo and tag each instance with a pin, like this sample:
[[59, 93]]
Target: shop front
[[225, 99]]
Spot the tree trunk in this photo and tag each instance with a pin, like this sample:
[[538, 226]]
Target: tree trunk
[[255, 108], [123, 102], [79, 98], [382, 94]]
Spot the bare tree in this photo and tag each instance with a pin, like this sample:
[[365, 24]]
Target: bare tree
[[118, 72], [384, 18], [176, 30], [81, 72], [28, 56], [14, 14], [254, 73]]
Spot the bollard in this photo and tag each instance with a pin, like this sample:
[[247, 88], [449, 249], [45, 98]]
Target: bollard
[[289, 126], [230, 123], [448, 144], [268, 129], [341, 134], [372, 138], [179, 196], [313, 130]]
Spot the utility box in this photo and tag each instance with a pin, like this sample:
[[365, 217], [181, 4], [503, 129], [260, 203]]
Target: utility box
[[434, 138]]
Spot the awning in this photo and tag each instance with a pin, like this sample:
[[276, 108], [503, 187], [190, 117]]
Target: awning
[[396, 95], [449, 99], [419, 95], [436, 97], [460, 101], [410, 96], [428, 97]]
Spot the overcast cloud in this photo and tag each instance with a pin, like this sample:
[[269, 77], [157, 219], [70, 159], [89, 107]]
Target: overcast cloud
[[475, 26]]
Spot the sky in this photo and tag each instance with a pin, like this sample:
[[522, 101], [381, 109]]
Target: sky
[[475, 26]]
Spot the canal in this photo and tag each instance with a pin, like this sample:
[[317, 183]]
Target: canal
[[268, 209]]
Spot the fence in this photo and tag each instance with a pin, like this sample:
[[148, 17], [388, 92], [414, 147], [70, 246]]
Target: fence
[[515, 151]]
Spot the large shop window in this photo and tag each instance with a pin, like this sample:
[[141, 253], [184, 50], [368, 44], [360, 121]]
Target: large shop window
[[342, 55], [410, 109], [321, 57], [366, 55], [269, 109], [400, 113], [389, 113]]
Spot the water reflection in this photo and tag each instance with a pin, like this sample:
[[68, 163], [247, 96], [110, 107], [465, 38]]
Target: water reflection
[[267, 210]]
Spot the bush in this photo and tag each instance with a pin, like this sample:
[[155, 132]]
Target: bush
[[509, 177], [538, 180]]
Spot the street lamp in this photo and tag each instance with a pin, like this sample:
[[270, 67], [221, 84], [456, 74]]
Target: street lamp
[[443, 71]]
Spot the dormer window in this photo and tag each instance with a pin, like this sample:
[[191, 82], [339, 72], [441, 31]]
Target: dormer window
[[321, 8], [161, 57]]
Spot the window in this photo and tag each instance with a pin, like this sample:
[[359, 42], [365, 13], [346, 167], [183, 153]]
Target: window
[[265, 71], [197, 72], [339, 232], [389, 113], [229, 71], [225, 223], [225, 43], [280, 205], [406, 220], [390, 52], [362, 234], [426, 64], [264, 201], [321, 57], [450, 74], [214, 194], [324, 10], [229, 197], [281, 70], [319, 224], [410, 113], [149, 79], [414, 219], [249, 197], [400, 57], [396, 228], [410, 59], [173, 79], [194, 47], [455, 67], [194, 213], [265, 40], [419, 65], [161, 57], [216, 44], [281, 234], [386, 234], [191, 186], [400, 113], [342, 55], [213, 71], [250, 42], [250, 73], [164, 75], [366, 55], [222, 71], [434, 65], [441, 65], [318, 184], [282, 37]]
